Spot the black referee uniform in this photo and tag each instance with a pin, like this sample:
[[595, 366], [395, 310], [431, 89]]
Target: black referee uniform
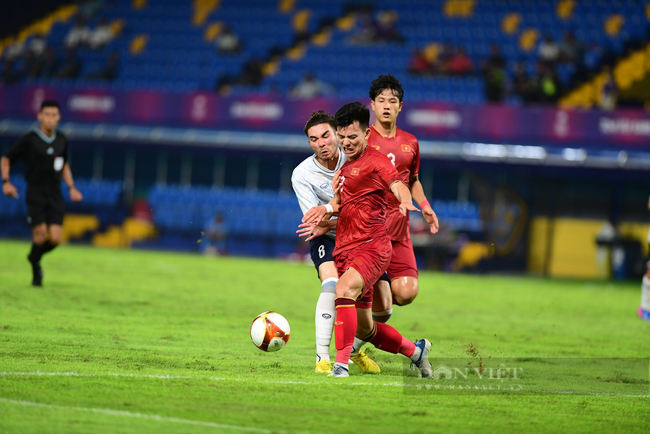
[[44, 159]]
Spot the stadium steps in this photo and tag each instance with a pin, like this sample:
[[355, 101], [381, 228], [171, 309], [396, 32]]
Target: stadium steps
[[77, 225], [627, 71], [132, 230]]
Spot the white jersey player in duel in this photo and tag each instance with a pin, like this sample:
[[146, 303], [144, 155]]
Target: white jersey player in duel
[[312, 183]]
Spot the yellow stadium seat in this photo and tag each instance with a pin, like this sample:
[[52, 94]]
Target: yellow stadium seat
[[286, 6], [138, 44], [346, 23], [510, 23], [300, 20], [323, 38], [613, 24], [564, 9], [212, 31], [458, 8], [138, 4], [528, 39]]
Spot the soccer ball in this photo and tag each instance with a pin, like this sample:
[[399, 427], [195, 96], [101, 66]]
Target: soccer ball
[[270, 331]]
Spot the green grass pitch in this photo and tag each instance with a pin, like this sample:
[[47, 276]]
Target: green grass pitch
[[131, 342]]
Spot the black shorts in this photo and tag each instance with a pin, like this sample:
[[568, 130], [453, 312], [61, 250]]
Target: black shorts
[[44, 205], [321, 249]]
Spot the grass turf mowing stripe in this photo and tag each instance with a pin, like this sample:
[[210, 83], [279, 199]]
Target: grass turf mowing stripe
[[123, 413], [248, 380]]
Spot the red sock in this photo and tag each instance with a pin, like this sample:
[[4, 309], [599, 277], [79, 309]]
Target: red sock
[[390, 340], [345, 328]]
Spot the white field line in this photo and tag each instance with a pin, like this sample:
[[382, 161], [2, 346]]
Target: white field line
[[136, 415], [284, 382]]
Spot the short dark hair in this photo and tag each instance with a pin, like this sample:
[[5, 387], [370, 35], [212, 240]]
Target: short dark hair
[[317, 118], [354, 111], [384, 82], [50, 103]]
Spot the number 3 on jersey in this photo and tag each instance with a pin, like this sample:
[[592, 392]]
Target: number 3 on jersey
[[391, 157]]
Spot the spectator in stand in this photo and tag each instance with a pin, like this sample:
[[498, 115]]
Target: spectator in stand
[[548, 84], [495, 80], [609, 91], [367, 32], [78, 35], [46, 65], [418, 64], [311, 87], [110, 70], [8, 75], [571, 51], [28, 65], [386, 31], [252, 74], [459, 63], [15, 50], [37, 45], [227, 42], [494, 75], [216, 235], [496, 59], [101, 36], [549, 51], [72, 66], [522, 85]]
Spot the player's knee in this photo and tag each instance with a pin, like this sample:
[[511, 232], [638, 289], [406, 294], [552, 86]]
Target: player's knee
[[404, 299], [39, 237], [406, 293], [55, 239]]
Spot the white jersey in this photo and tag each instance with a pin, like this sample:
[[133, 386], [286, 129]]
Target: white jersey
[[312, 184]]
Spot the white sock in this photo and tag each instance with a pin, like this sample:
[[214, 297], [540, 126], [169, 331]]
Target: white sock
[[645, 294], [356, 346], [416, 354], [325, 315]]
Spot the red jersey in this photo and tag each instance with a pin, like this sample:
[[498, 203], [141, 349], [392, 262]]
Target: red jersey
[[403, 151], [362, 213]]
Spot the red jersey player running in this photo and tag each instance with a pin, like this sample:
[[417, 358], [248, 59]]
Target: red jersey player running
[[403, 151], [363, 247]]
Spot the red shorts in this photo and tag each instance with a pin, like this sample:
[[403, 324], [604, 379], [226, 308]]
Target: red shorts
[[403, 261], [370, 260]]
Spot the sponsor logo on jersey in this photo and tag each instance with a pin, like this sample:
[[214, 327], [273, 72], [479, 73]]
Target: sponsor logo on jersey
[[324, 186], [50, 151], [355, 171], [406, 148]]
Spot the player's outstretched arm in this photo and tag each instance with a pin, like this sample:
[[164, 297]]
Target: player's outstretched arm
[[421, 199], [8, 189], [75, 195], [403, 195]]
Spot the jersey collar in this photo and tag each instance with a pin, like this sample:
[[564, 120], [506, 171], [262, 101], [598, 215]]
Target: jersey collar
[[45, 138]]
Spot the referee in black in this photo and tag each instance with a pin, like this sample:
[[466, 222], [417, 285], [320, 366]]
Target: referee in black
[[45, 153]]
